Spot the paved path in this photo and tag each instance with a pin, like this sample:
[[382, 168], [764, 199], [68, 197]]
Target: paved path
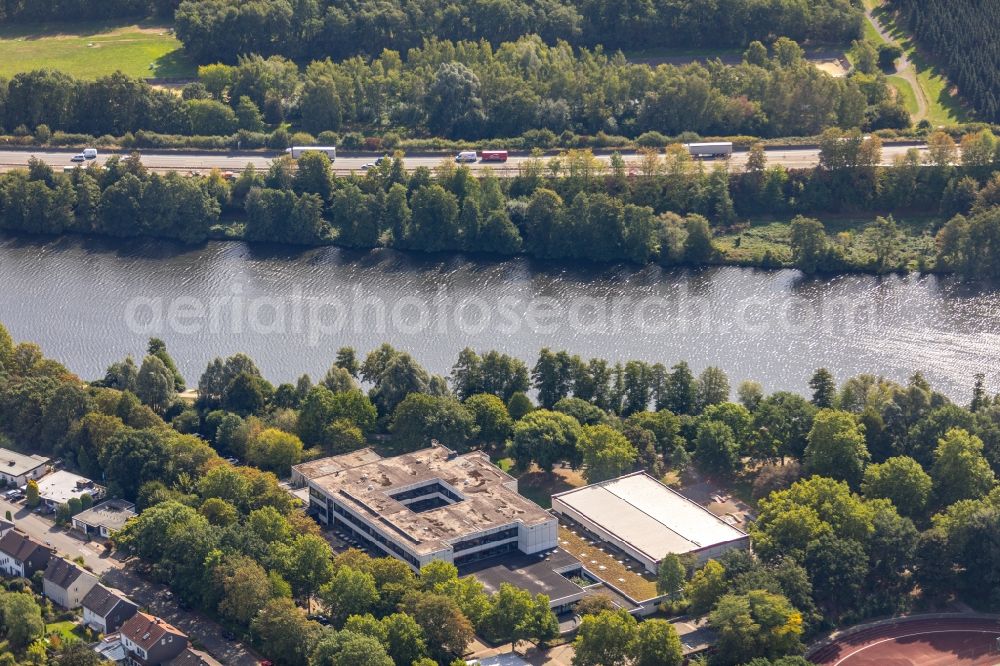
[[905, 68], [792, 158], [205, 633]]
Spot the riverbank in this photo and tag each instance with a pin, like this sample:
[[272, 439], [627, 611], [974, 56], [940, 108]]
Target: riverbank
[[765, 243]]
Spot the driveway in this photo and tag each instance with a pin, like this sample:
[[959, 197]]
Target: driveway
[[68, 544]]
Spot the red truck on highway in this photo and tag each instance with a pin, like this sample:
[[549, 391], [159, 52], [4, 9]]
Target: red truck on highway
[[493, 156]]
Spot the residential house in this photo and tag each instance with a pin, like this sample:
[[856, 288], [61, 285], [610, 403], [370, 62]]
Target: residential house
[[192, 657], [105, 611], [20, 555], [150, 641], [66, 584], [17, 468], [5, 526], [105, 518], [60, 487]]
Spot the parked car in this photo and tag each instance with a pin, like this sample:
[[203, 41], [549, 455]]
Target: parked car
[[78, 158]]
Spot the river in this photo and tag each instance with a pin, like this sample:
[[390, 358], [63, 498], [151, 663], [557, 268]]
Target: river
[[89, 302]]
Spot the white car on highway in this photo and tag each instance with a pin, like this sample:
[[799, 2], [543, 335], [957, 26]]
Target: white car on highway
[[78, 158]]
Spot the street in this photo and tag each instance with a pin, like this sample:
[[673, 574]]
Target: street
[[203, 632], [67, 544]]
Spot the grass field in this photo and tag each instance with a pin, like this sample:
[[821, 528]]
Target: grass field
[[905, 91], [66, 630], [91, 50]]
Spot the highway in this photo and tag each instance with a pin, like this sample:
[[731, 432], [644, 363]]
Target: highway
[[159, 160]]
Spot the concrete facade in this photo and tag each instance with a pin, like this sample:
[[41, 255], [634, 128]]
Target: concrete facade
[[427, 505]]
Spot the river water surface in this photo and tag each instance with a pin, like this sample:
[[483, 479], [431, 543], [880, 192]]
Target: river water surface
[[89, 302]]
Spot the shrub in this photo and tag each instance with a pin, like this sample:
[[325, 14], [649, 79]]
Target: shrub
[[539, 138], [303, 139], [353, 140], [278, 139], [652, 140], [602, 140], [43, 134], [247, 139], [390, 140], [66, 139], [328, 138]]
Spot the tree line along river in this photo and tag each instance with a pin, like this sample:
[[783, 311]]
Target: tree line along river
[[89, 302]]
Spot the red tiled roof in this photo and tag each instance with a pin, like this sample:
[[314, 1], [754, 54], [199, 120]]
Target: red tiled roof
[[146, 630]]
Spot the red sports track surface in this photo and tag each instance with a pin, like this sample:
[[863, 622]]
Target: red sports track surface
[[932, 642]]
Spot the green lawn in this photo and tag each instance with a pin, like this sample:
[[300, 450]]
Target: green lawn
[[90, 50], [66, 630], [944, 107], [871, 34], [906, 92]]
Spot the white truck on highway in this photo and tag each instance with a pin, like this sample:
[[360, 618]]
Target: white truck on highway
[[716, 149], [298, 151]]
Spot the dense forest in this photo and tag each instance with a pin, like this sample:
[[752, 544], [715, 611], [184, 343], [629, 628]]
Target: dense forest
[[215, 30], [83, 10], [964, 36], [222, 30], [873, 497], [469, 90], [572, 206]]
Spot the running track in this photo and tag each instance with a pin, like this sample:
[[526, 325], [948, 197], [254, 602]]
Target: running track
[[933, 642]]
